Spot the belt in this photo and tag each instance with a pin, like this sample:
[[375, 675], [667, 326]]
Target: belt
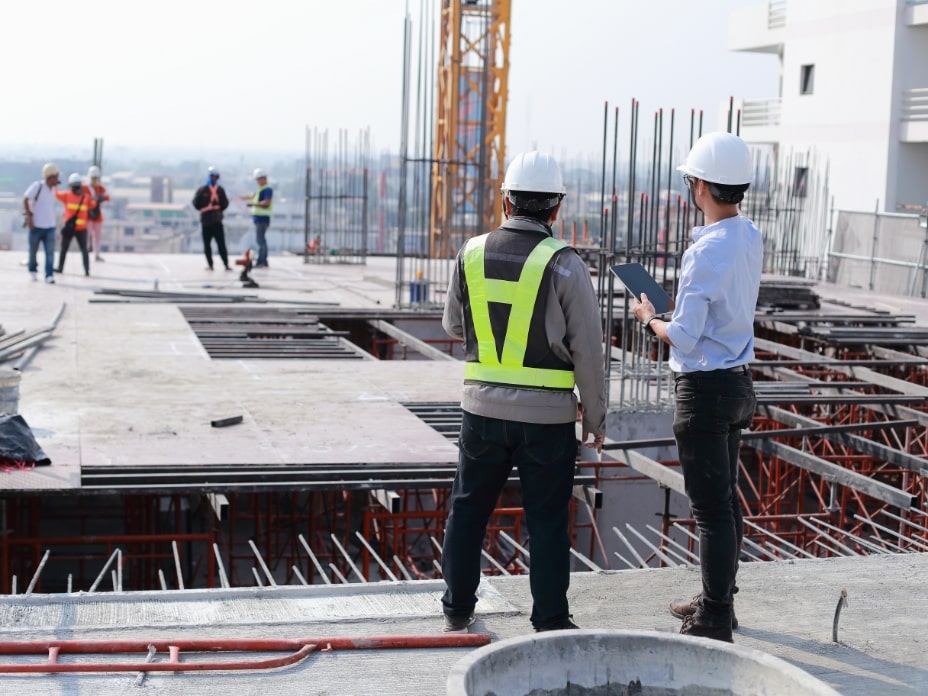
[[740, 369]]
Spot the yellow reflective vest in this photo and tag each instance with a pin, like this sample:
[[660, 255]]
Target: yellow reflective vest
[[509, 367]]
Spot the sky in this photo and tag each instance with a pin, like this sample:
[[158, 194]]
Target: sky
[[199, 78]]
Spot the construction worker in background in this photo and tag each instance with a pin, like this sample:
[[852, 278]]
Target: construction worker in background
[[95, 225], [711, 339], [210, 199], [77, 206], [39, 212], [261, 205], [524, 304]]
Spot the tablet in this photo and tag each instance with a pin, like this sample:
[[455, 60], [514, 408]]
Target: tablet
[[638, 280]]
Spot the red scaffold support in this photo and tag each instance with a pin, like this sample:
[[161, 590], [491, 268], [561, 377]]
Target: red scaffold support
[[300, 648]]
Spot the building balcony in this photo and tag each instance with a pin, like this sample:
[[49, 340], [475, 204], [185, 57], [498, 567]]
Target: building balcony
[[913, 115], [916, 13], [760, 120], [759, 28]]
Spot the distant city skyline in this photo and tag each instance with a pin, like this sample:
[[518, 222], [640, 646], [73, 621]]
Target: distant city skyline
[[239, 80]]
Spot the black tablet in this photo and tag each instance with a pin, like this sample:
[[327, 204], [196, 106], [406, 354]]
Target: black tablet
[[638, 280]]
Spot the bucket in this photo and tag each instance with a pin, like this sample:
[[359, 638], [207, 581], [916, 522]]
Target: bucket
[[9, 392], [562, 663]]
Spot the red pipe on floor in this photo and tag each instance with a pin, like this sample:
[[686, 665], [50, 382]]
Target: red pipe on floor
[[302, 647]]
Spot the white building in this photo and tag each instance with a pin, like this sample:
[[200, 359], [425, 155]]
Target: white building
[[853, 96]]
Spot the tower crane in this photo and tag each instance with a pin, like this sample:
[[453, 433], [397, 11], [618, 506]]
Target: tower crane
[[470, 125]]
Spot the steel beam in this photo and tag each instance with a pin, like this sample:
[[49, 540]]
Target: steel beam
[[837, 474]]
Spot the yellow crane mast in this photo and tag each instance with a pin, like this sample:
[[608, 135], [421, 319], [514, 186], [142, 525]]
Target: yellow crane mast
[[470, 125]]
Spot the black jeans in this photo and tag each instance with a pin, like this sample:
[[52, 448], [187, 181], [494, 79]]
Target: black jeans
[[711, 410], [215, 230], [545, 456], [81, 238]]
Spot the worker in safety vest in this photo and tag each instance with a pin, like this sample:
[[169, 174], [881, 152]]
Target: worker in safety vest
[[77, 203], [261, 204], [211, 200], [95, 224], [525, 306]]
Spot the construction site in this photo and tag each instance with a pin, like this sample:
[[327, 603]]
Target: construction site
[[243, 478]]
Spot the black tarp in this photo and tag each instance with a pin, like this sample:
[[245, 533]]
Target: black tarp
[[17, 443]]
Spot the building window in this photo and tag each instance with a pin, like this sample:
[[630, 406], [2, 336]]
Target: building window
[[807, 79], [129, 231]]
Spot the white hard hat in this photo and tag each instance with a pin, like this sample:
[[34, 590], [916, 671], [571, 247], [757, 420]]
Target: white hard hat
[[259, 174], [94, 172], [212, 171], [49, 170], [720, 158], [533, 172], [74, 179]]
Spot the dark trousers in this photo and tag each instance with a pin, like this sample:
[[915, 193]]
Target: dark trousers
[[211, 231], [81, 238], [711, 410], [261, 239], [545, 456]]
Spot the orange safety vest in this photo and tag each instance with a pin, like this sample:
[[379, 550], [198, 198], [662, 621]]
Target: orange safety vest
[[76, 204], [98, 192]]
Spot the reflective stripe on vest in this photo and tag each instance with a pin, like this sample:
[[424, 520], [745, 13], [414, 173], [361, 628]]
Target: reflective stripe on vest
[[522, 296], [78, 210], [257, 210]]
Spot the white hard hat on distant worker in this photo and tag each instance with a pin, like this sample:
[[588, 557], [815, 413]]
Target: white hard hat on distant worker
[[259, 174], [720, 158], [74, 179], [94, 172], [212, 171], [49, 170]]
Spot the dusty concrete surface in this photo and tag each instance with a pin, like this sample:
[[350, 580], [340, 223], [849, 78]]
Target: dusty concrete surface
[[121, 383], [785, 609]]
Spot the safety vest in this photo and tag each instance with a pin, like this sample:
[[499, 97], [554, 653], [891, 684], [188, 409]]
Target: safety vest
[[76, 206], [257, 210], [522, 295]]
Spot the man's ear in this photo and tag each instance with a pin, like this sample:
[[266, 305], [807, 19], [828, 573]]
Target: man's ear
[[554, 214], [507, 207]]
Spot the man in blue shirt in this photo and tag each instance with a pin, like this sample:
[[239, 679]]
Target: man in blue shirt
[[261, 204], [711, 339]]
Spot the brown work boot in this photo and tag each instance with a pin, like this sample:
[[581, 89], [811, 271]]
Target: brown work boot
[[681, 608], [691, 628]]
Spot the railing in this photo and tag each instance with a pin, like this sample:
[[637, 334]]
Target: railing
[[776, 14], [761, 112], [915, 101]]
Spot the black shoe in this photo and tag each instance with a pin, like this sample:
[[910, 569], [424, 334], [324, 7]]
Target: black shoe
[[691, 628], [208, 268], [228, 269], [458, 624], [564, 625], [260, 265], [681, 608]]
